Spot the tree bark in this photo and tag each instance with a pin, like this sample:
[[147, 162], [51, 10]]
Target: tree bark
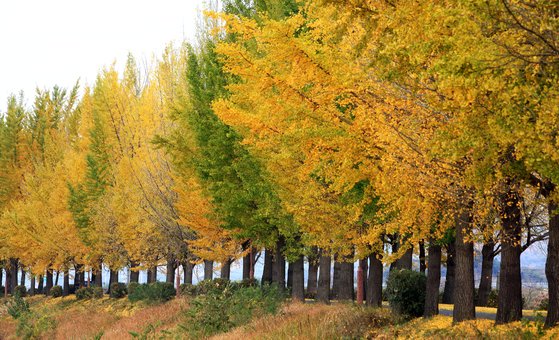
[[406, 261], [374, 284], [98, 275], [152, 274], [246, 261], [336, 280], [170, 270], [113, 278], [134, 274], [22, 279], [298, 280], [13, 274], [188, 269], [464, 306], [40, 287], [278, 274], [8, 282], [225, 272], [422, 265], [509, 300], [486, 280], [49, 282], [66, 283], [433, 280], [268, 264], [32, 288], [312, 277], [395, 247], [323, 291], [361, 271], [208, 270], [448, 293], [552, 267], [290, 275], [345, 290]]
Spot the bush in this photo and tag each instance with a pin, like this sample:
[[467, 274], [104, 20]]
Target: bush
[[219, 310], [132, 287], [118, 290], [33, 326], [17, 306], [405, 291], [153, 292], [187, 289], [21, 290], [492, 300], [55, 291], [87, 293], [544, 304], [98, 292]]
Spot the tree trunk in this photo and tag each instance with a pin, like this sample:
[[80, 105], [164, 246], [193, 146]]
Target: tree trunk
[[188, 269], [374, 284], [113, 278], [448, 293], [486, 279], [49, 282], [312, 274], [323, 291], [336, 279], [509, 301], [246, 261], [422, 265], [56, 278], [66, 284], [406, 261], [361, 272], [208, 270], [278, 275], [226, 270], [170, 270], [552, 267], [1, 275], [345, 290], [298, 279], [41, 287], [464, 306], [268, 264], [433, 280], [13, 275], [152, 274], [395, 247], [32, 287], [22, 279], [290, 275], [8, 282], [134, 274], [99, 275]]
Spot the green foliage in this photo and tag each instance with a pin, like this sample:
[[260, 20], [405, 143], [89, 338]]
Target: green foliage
[[229, 306], [149, 332], [21, 291], [187, 289], [544, 304], [87, 293], [132, 286], [17, 307], [32, 325], [55, 291], [153, 292], [118, 290], [405, 291]]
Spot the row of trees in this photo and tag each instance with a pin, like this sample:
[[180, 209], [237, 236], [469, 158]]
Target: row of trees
[[344, 130]]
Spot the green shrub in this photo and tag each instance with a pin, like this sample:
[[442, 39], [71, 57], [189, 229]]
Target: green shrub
[[21, 290], [187, 289], [17, 306], [55, 291], [118, 290], [98, 292], [153, 292], [219, 310], [544, 304], [33, 326], [492, 299], [132, 287], [405, 291], [87, 293]]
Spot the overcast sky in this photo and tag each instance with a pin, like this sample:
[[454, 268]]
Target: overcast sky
[[46, 43]]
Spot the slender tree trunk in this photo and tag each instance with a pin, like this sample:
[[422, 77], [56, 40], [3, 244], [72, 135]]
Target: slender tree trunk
[[226, 270], [509, 301], [66, 285], [374, 285], [395, 247], [267, 273], [32, 288], [361, 272], [8, 283], [345, 292], [1, 275], [298, 280], [78, 274], [336, 281], [170, 273], [113, 278], [278, 275], [323, 291], [422, 265], [134, 274], [433, 280], [22, 279], [188, 269], [41, 285], [486, 279], [312, 277], [464, 306], [49, 282], [56, 282], [552, 267], [448, 293], [290, 275], [13, 274], [99, 275], [246, 261], [152, 274], [406, 261], [208, 270]]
